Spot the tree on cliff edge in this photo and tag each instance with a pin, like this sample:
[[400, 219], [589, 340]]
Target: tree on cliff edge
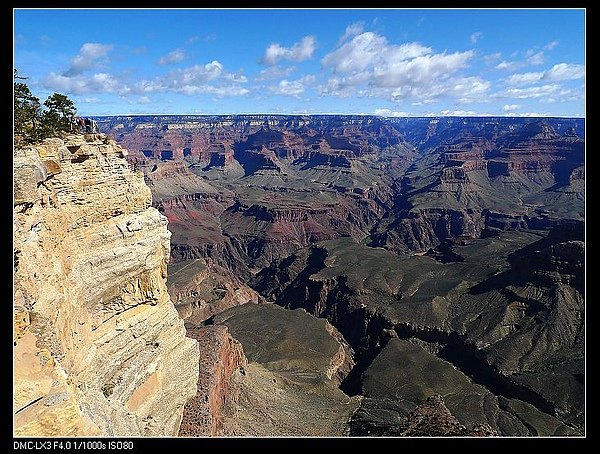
[[27, 111], [59, 115], [32, 122]]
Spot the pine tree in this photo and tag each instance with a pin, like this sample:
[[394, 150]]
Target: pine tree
[[27, 111], [59, 115], [34, 122]]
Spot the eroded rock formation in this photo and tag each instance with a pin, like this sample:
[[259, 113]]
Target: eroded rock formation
[[200, 289], [99, 348], [290, 385], [506, 310], [222, 356]]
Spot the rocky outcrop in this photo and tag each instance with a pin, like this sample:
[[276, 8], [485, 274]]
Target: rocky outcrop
[[254, 161], [377, 417], [201, 289], [98, 346], [319, 158], [424, 229], [169, 180], [220, 158], [290, 385], [221, 357]]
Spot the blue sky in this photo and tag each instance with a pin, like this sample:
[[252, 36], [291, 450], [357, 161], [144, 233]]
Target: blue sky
[[385, 62]]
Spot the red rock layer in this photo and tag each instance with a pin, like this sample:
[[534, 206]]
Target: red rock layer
[[221, 356]]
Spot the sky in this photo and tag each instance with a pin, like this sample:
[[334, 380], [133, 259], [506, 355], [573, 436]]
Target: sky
[[348, 61]]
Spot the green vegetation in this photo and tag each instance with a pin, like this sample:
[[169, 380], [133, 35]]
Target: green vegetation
[[33, 121]]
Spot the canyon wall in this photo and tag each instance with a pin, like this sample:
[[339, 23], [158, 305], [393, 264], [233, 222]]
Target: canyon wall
[[99, 348]]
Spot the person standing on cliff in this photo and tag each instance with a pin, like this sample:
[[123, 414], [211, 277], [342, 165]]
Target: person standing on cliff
[[88, 124], [81, 125]]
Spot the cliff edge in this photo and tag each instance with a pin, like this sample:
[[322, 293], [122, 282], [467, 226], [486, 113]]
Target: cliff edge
[[99, 348]]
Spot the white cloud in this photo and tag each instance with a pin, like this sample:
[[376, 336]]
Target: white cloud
[[367, 65], [82, 84], [533, 92], [369, 49], [274, 72], [208, 71], [289, 88], [352, 30], [234, 77], [172, 57], [336, 86], [300, 51], [390, 113], [532, 58], [508, 65], [535, 59], [346, 86], [559, 72], [510, 107], [459, 113], [551, 45], [565, 94], [420, 70], [194, 80], [565, 71], [294, 87], [182, 79], [462, 89], [143, 100], [475, 37], [525, 78], [469, 89], [90, 55]]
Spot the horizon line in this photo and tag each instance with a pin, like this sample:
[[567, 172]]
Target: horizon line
[[329, 114]]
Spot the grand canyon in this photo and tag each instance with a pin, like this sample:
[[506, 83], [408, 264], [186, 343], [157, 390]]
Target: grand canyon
[[302, 275], [325, 223]]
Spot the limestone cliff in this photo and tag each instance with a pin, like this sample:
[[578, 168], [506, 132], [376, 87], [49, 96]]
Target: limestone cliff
[[98, 346]]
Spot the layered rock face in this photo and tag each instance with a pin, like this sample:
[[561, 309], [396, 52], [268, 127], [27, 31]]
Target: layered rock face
[[264, 181], [222, 356], [99, 348]]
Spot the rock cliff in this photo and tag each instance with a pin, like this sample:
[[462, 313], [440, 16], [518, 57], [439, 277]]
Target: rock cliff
[[222, 356], [99, 348]]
